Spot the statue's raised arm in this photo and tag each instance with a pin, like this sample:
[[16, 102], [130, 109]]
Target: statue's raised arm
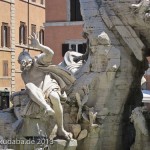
[[47, 53]]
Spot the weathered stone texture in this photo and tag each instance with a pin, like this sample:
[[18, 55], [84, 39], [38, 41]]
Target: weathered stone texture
[[111, 65]]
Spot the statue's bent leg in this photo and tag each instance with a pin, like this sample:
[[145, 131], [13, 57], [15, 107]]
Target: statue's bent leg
[[37, 96], [55, 100]]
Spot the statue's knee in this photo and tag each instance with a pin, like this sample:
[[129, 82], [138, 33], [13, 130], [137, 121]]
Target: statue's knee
[[55, 98]]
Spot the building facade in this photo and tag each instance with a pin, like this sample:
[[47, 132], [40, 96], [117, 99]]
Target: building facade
[[18, 20], [63, 27]]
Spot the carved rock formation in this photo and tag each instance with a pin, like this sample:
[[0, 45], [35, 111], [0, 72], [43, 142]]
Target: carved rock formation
[[119, 42]]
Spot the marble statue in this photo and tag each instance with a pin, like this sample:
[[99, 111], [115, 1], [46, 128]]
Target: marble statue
[[142, 9], [69, 62], [101, 103], [41, 87]]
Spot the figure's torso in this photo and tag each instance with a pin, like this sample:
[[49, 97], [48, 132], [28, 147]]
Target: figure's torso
[[34, 75]]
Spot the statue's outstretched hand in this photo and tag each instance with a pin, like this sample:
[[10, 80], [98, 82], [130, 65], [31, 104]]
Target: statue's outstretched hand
[[34, 40]]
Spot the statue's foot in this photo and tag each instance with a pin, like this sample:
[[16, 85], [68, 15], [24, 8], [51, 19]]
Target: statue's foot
[[62, 134], [49, 111]]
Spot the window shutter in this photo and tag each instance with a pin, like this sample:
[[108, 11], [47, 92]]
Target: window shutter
[[5, 67], [65, 48], [73, 47], [82, 48], [43, 37], [20, 35], [42, 2], [78, 12], [72, 10], [33, 29], [8, 36], [2, 32], [25, 35], [40, 33]]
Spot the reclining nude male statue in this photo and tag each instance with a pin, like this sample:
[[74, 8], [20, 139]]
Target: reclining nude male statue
[[45, 83]]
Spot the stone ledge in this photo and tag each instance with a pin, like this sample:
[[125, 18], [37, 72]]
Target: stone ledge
[[9, 1], [5, 49], [34, 3], [24, 46], [4, 77], [73, 23], [18, 71]]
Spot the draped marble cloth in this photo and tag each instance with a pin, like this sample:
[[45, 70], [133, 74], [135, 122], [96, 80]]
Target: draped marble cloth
[[69, 62], [56, 79]]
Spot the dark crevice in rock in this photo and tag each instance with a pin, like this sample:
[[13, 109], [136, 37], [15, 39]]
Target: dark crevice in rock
[[134, 100]]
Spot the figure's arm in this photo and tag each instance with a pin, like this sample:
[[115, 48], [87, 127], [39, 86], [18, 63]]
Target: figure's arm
[[46, 54]]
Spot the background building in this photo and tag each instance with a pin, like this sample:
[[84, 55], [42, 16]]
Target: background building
[[18, 19], [63, 27]]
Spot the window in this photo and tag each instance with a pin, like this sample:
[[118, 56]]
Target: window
[[42, 2], [33, 29], [22, 33], [5, 67], [41, 36], [5, 35], [75, 46], [33, 0], [4, 99], [75, 13]]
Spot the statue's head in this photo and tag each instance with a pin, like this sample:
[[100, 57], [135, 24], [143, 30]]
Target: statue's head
[[25, 60]]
